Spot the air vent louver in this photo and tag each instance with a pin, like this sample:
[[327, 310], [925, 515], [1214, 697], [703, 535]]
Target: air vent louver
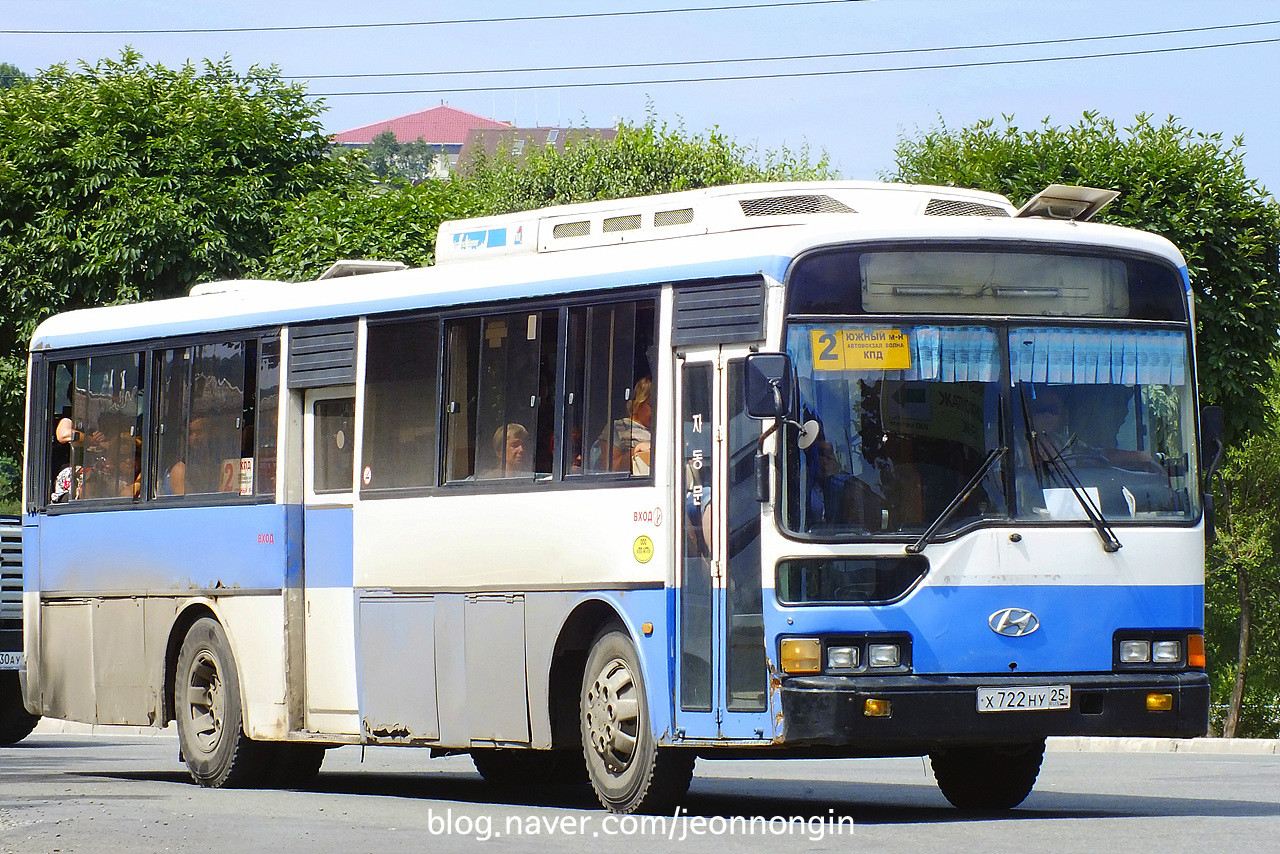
[[956, 207], [791, 205]]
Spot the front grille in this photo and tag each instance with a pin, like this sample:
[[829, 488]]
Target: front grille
[[11, 576]]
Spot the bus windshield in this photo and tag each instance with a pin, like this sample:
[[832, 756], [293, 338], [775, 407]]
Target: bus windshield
[[908, 413]]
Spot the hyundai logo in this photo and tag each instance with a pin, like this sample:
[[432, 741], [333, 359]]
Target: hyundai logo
[[1013, 622]]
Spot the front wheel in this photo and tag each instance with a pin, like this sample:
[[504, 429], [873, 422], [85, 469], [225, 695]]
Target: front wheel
[[16, 723], [987, 777], [627, 769], [206, 701]]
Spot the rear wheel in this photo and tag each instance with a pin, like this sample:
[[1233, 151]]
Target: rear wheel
[[987, 777], [16, 723], [206, 701], [627, 769]]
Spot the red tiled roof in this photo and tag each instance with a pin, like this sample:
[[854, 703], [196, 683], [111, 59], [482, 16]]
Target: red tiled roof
[[443, 125]]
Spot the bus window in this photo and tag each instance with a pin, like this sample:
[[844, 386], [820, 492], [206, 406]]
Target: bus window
[[207, 404], [517, 375], [462, 353], [97, 418], [400, 407], [268, 410], [617, 379]]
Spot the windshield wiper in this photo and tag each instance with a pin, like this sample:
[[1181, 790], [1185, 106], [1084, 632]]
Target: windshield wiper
[[1058, 466], [962, 496]]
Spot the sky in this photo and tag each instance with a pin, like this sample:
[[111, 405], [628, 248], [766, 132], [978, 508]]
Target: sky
[[851, 107]]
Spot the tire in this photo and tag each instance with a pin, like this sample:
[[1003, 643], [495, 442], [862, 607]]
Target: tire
[[988, 777], [626, 768], [16, 723], [510, 768], [206, 702]]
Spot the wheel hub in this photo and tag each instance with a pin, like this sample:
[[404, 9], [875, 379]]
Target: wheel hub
[[612, 716]]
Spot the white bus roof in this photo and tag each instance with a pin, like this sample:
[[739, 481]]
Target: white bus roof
[[747, 244]]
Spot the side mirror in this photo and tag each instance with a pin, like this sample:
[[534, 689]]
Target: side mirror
[[769, 385], [1212, 424]]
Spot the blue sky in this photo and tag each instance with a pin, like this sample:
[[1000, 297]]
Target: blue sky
[[855, 118]]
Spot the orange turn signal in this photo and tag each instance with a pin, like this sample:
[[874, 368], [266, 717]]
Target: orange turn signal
[[1195, 651]]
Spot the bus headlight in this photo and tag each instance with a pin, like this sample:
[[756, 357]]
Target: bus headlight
[[1135, 651], [884, 654], [842, 657], [1166, 652]]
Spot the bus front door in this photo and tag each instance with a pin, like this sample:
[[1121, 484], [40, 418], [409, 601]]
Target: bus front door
[[721, 671]]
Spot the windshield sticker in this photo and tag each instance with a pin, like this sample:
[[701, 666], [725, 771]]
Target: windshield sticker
[[860, 350]]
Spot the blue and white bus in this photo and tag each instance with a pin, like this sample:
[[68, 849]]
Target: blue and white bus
[[793, 470]]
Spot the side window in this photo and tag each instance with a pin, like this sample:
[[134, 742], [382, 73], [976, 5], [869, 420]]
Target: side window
[[462, 355], [515, 421], [400, 406], [610, 395], [267, 415], [206, 420], [95, 409]]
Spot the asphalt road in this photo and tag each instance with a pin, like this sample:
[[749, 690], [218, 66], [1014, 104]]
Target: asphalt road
[[95, 793]]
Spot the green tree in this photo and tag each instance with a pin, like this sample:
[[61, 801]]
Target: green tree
[[123, 181], [640, 160], [1189, 187], [398, 222], [11, 75], [1243, 597], [387, 158]]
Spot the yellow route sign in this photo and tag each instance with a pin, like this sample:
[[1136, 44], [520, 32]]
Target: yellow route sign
[[860, 350]]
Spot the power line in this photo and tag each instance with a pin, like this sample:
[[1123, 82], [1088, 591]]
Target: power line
[[447, 22], [795, 74], [791, 58]]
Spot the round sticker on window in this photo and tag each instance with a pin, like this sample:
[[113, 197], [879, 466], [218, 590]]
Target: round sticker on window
[[341, 438]]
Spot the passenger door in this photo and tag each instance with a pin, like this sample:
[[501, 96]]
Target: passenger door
[[329, 419], [721, 671]]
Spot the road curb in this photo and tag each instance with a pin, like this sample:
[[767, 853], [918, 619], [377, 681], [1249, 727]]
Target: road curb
[[1098, 744], [1058, 744]]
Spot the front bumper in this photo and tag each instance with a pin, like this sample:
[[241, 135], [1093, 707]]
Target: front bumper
[[934, 710]]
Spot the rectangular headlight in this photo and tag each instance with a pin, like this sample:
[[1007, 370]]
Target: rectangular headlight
[[842, 657], [1166, 652], [1135, 651], [884, 655]]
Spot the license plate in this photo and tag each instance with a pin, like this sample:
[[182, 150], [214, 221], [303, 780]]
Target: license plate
[[1031, 698], [10, 660]]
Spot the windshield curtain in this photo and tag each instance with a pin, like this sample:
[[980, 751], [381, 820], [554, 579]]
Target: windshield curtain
[[908, 414], [1115, 407]]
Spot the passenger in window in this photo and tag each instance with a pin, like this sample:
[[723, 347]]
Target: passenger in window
[[511, 452], [113, 460], [629, 440]]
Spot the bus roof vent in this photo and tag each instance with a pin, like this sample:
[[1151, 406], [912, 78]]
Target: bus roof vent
[[791, 205], [681, 216], [578, 228], [959, 207], [359, 267]]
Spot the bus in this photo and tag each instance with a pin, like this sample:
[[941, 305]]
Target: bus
[[811, 470], [16, 723]]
